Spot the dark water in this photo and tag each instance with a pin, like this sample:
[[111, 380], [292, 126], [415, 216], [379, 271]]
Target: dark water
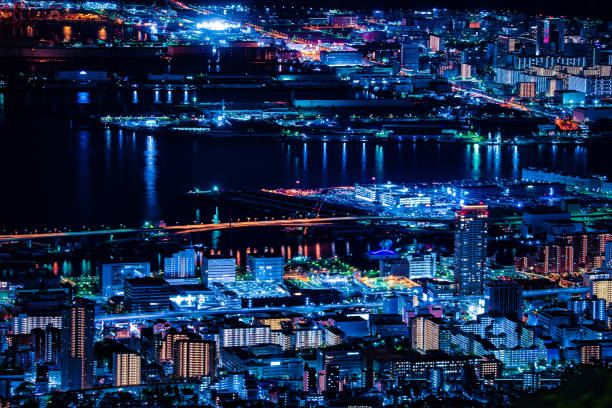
[[55, 176]]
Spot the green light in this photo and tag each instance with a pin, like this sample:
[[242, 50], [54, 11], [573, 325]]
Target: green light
[[215, 188]]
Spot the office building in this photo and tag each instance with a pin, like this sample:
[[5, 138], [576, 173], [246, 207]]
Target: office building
[[114, 275], [77, 360], [470, 248], [194, 358], [180, 265], [550, 36], [504, 298], [421, 265], [350, 365], [218, 270], [409, 56], [266, 267], [147, 295], [126, 369]]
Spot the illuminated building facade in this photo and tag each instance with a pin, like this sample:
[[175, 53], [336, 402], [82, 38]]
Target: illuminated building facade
[[266, 267], [77, 358], [470, 248], [218, 270], [180, 265], [194, 358], [126, 369]]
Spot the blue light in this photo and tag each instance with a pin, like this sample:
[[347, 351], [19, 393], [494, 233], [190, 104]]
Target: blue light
[[382, 252]]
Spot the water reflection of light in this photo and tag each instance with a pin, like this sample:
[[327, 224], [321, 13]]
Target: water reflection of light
[[324, 172], [380, 163], [150, 179], [83, 97], [67, 31], [135, 97], [102, 36], [344, 174], [84, 173], [156, 100], [497, 161], [515, 162], [324, 155], [186, 97], [363, 158], [305, 155], [169, 96], [476, 161]]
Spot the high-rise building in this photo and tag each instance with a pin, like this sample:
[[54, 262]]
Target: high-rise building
[[602, 289], [470, 248], [422, 265], [332, 379], [180, 265], [434, 43], [590, 352], [550, 36], [504, 298], [309, 382], [166, 345], [410, 56], [126, 368], [242, 335], [24, 323], [266, 267], [218, 270], [77, 360], [194, 358], [147, 295], [46, 344], [114, 275], [430, 333]]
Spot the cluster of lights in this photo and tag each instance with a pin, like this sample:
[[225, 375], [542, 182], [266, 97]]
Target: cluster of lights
[[217, 25]]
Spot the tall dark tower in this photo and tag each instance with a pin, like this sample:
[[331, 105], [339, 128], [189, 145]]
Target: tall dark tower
[[470, 248], [550, 36], [77, 345]]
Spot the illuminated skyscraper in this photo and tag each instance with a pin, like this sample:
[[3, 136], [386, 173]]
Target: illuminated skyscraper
[[194, 358], [218, 270], [180, 265], [550, 36], [504, 298], [266, 267], [602, 288], [126, 369], [430, 333], [470, 248], [77, 345]]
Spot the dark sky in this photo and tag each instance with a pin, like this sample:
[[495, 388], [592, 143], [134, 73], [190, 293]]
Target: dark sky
[[596, 8]]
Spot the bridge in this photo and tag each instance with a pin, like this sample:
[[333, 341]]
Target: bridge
[[189, 228]]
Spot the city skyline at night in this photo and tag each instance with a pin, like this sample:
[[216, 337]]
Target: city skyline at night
[[322, 204]]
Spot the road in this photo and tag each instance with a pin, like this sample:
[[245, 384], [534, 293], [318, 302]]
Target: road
[[228, 311], [185, 229]]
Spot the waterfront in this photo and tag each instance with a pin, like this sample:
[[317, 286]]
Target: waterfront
[[60, 176]]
